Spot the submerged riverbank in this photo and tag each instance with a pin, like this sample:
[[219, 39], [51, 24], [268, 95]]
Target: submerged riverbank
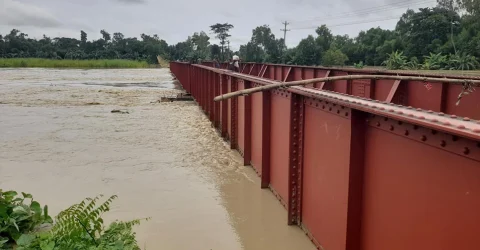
[[65, 63], [61, 143]]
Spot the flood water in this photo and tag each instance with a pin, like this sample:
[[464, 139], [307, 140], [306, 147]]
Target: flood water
[[60, 142]]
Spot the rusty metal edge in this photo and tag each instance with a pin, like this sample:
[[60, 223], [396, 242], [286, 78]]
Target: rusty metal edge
[[439, 121], [374, 71]]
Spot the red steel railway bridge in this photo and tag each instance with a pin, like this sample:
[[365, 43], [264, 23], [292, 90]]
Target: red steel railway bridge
[[358, 164]]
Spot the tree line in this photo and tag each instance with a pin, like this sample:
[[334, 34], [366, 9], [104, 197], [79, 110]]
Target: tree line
[[444, 37]]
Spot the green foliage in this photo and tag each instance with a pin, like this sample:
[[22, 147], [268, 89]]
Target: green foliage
[[53, 63], [396, 60], [359, 65], [17, 45], [324, 38], [263, 46], [334, 57], [306, 52], [19, 215], [434, 61], [78, 227], [462, 61], [81, 221], [418, 34], [413, 64]]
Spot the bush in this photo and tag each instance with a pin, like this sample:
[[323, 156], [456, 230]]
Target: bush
[[434, 62], [359, 65], [78, 227], [462, 61], [395, 60], [413, 64], [19, 215]]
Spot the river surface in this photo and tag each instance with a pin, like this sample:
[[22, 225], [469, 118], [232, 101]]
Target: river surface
[[60, 142]]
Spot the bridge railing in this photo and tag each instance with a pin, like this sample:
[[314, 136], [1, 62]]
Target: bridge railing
[[352, 172], [435, 96]]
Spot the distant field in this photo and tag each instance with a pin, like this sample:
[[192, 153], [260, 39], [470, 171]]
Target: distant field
[[51, 63]]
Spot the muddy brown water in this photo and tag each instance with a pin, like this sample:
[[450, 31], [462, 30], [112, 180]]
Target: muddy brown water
[[60, 142]]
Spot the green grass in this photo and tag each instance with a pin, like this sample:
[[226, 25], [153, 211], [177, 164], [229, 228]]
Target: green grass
[[79, 64]]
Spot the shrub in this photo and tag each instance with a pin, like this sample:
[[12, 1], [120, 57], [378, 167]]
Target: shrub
[[359, 65], [434, 61], [19, 215], [78, 227], [395, 60], [462, 61]]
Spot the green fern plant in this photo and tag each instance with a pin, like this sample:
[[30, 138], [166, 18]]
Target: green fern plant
[[81, 221], [81, 227]]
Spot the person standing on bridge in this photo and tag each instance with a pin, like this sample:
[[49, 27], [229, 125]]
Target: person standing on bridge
[[234, 64], [215, 63]]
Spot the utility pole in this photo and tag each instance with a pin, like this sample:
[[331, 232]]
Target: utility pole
[[285, 33]]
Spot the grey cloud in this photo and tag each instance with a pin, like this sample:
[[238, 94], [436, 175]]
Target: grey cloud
[[132, 1], [19, 14]]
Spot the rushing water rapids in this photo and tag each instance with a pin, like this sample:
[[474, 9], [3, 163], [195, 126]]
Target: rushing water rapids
[[60, 142]]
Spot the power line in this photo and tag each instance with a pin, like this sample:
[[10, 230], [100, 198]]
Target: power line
[[361, 22], [365, 11], [351, 23], [369, 10]]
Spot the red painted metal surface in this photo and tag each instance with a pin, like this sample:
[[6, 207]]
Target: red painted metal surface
[[224, 106], [266, 135], [247, 131], [295, 168], [229, 108], [233, 115], [355, 172], [280, 143], [257, 133], [326, 172], [241, 119], [421, 198]]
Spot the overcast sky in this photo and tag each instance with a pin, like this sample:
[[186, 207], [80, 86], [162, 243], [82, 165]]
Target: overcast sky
[[174, 20]]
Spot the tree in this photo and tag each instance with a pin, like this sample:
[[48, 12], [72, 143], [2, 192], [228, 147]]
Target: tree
[[263, 46], [201, 40], [419, 36], [215, 51], [324, 38], [425, 32], [334, 57], [83, 37], [471, 6], [306, 52], [105, 35], [221, 32]]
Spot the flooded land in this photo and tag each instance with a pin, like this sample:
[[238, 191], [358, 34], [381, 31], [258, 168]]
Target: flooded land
[[60, 142]]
